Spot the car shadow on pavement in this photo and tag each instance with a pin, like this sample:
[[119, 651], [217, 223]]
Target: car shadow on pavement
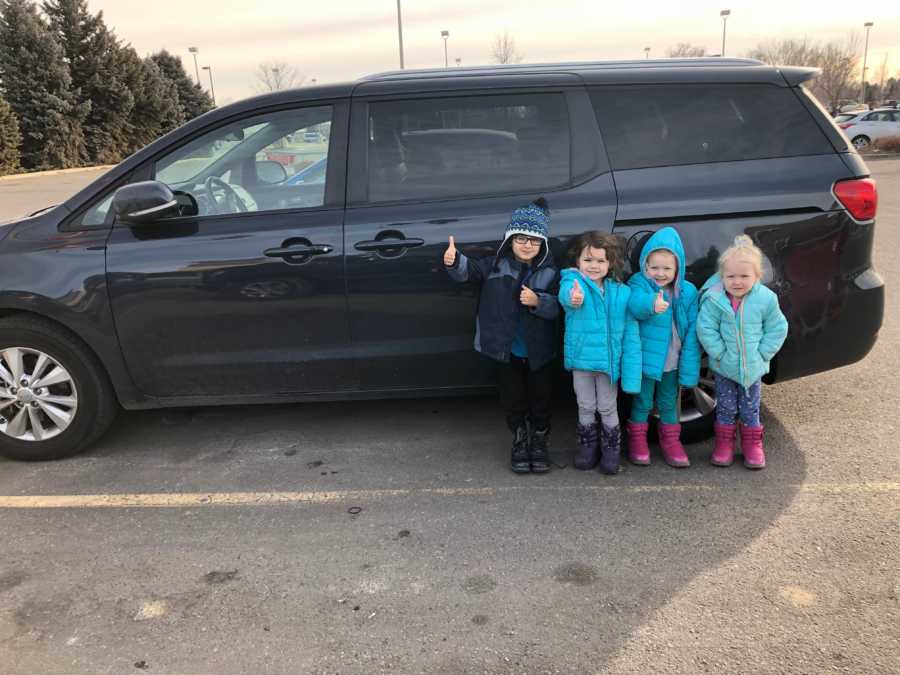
[[453, 563]]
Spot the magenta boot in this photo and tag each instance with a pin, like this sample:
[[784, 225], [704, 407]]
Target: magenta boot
[[723, 452], [638, 450], [670, 444], [752, 447]]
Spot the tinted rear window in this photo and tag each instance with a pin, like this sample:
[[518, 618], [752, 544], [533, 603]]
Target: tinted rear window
[[462, 146], [666, 125]]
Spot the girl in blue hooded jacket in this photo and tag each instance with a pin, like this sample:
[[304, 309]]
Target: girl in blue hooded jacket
[[665, 306], [601, 345], [741, 328]]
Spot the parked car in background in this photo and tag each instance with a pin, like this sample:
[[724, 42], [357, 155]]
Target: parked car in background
[[866, 127], [196, 272], [852, 106]]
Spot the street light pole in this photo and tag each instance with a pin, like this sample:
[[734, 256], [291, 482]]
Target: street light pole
[[725, 13], [445, 34], [212, 89], [194, 50], [862, 94], [400, 33]]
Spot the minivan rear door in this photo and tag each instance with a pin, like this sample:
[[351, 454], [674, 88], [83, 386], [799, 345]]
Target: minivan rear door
[[451, 161]]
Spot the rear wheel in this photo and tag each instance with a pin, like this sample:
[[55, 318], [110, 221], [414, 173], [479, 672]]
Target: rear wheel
[[55, 397], [698, 407], [859, 142]]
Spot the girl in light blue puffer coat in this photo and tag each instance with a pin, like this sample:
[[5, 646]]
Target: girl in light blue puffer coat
[[601, 346], [741, 328], [664, 303]]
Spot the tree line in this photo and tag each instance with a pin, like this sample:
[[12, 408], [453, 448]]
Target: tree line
[[838, 81], [72, 94]]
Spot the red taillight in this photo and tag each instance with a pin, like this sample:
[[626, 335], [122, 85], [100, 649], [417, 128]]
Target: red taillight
[[859, 196], [846, 125]]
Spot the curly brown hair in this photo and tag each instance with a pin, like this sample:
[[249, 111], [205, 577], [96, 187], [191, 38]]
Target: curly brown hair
[[613, 244]]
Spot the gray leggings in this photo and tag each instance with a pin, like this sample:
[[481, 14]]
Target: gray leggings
[[595, 394]]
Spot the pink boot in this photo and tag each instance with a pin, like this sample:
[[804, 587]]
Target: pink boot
[[723, 453], [670, 444], [752, 447], [638, 451]]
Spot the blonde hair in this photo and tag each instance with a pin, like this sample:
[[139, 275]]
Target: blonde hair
[[744, 249]]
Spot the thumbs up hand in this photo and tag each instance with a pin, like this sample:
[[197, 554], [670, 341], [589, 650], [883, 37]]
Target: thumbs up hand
[[659, 304], [528, 297], [576, 297], [450, 253]]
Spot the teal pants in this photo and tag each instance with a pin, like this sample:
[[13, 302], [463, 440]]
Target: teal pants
[[666, 391]]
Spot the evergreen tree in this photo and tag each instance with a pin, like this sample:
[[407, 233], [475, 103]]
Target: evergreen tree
[[193, 100], [37, 86], [96, 67], [10, 138], [156, 107]]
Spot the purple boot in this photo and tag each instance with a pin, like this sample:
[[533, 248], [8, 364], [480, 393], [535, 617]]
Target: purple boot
[[586, 446], [611, 449]]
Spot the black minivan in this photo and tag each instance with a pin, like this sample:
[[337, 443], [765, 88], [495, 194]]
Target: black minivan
[[237, 261]]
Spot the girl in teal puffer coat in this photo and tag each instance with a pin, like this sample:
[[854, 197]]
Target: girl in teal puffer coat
[[665, 306], [741, 328], [601, 345]]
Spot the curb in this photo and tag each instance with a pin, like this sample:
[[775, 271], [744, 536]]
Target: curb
[[881, 156], [55, 172]]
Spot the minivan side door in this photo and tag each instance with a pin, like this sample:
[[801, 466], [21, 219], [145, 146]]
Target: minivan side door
[[426, 166], [246, 297]]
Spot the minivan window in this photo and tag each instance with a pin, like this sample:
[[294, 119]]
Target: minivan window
[[463, 146], [266, 162], [668, 125]]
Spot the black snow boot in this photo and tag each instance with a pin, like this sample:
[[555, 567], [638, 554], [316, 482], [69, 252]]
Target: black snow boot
[[586, 446], [610, 449], [540, 451], [520, 459]]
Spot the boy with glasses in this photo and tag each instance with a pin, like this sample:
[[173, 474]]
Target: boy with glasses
[[516, 326]]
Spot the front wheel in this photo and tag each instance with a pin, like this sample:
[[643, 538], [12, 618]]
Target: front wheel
[[55, 397]]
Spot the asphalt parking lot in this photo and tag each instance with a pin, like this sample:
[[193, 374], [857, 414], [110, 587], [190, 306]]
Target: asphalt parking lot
[[383, 536]]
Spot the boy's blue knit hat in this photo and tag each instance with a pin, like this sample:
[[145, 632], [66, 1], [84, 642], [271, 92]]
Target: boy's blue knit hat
[[532, 220]]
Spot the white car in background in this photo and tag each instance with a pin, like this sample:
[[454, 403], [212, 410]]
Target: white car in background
[[864, 127]]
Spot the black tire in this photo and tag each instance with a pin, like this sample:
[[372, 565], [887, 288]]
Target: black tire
[[97, 406], [860, 141]]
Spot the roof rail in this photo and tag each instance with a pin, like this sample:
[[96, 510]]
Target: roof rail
[[573, 66]]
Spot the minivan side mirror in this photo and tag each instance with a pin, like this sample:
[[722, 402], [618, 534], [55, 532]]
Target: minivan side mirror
[[270, 173], [144, 202]]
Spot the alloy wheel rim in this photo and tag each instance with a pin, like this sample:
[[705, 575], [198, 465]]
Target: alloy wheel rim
[[38, 396]]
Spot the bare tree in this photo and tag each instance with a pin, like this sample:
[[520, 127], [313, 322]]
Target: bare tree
[[685, 49], [836, 60], [882, 73], [786, 53], [276, 75], [503, 49]]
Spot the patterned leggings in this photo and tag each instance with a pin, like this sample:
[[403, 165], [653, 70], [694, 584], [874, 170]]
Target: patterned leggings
[[732, 400]]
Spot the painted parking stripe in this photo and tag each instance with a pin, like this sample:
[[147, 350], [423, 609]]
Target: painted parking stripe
[[200, 499]]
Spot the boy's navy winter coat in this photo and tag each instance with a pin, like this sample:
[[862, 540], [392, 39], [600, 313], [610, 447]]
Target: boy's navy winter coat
[[601, 335], [740, 344], [656, 329], [499, 310]]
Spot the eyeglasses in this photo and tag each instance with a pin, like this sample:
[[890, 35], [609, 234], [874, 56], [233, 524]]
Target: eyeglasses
[[522, 239]]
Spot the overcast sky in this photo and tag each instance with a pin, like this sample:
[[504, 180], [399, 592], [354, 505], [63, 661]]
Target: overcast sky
[[344, 39]]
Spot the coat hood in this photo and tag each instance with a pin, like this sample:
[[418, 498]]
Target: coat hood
[[668, 239]]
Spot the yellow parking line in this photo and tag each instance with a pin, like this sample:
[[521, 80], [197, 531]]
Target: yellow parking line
[[197, 499]]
